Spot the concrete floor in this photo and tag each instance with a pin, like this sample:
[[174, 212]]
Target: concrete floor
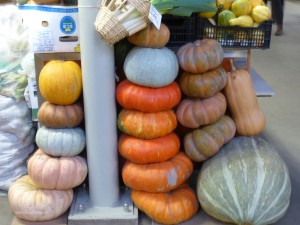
[[279, 66]]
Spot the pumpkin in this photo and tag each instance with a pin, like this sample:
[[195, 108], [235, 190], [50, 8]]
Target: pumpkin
[[200, 144], [29, 202], [200, 56], [59, 116], [139, 150], [247, 182], [60, 173], [60, 142], [203, 85], [172, 207], [158, 177], [60, 82], [151, 67], [243, 104], [193, 113], [145, 99], [147, 125], [151, 37]]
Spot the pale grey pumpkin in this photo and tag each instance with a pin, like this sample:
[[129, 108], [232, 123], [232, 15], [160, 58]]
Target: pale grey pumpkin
[[60, 142], [246, 183], [151, 67]]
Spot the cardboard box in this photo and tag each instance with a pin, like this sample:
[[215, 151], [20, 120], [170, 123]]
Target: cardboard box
[[51, 28]]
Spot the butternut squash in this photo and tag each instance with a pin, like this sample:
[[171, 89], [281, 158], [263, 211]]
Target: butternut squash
[[243, 104]]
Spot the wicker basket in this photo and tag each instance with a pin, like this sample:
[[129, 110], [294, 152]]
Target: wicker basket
[[110, 28]]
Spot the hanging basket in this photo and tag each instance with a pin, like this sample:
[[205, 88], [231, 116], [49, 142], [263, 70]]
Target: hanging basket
[[110, 22]]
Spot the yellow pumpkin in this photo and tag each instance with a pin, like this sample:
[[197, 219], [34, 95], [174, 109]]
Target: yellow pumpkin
[[223, 4], [60, 82], [241, 7]]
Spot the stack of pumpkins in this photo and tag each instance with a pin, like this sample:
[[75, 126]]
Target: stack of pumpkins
[[203, 109], [55, 168], [155, 169], [244, 181]]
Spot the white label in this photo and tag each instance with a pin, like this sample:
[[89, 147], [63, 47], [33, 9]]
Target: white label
[[43, 41], [155, 16]]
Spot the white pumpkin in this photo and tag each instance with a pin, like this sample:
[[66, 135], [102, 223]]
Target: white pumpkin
[[31, 203], [61, 142], [245, 183], [151, 67]]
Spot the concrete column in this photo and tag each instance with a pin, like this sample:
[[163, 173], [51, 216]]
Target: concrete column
[[97, 61]]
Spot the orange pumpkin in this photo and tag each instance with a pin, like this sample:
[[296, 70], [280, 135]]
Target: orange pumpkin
[[200, 56], [147, 125], [172, 207], [60, 82], [193, 113], [59, 116], [151, 37], [158, 177], [59, 173], [145, 99], [139, 150]]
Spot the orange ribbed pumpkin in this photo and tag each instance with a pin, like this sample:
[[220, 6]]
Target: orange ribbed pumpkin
[[172, 207], [59, 116], [146, 99], [147, 125], [139, 150], [158, 177], [60, 82]]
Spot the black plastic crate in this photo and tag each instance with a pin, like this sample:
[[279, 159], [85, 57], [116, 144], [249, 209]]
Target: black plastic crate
[[236, 37], [182, 30]]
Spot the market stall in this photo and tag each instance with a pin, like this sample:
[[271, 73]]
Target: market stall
[[171, 119]]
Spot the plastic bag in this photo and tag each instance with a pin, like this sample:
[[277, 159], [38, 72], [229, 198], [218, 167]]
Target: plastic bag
[[14, 154]]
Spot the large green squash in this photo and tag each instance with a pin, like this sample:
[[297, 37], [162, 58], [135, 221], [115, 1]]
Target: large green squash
[[151, 67], [246, 183]]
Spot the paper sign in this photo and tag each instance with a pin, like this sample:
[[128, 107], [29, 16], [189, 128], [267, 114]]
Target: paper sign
[[155, 16]]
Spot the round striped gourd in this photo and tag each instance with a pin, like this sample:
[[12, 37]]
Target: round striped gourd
[[172, 207], [32, 203], [61, 142], [151, 67], [145, 99], [60, 173], [138, 150], [158, 177], [246, 183], [60, 116], [147, 125]]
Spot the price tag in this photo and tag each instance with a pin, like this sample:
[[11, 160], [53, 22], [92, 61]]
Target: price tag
[[155, 16]]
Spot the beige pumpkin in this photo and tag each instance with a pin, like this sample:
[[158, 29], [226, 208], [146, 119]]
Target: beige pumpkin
[[60, 173], [32, 203]]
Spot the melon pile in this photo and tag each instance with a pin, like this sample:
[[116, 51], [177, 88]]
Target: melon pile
[[56, 167], [156, 171]]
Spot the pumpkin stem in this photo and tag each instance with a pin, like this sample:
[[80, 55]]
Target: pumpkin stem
[[232, 65]]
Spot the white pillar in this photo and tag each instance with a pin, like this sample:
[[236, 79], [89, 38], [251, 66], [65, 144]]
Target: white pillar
[[97, 62]]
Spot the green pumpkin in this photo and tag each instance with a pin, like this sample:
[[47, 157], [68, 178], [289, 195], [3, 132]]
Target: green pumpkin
[[224, 17], [246, 183], [61, 142], [151, 67]]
